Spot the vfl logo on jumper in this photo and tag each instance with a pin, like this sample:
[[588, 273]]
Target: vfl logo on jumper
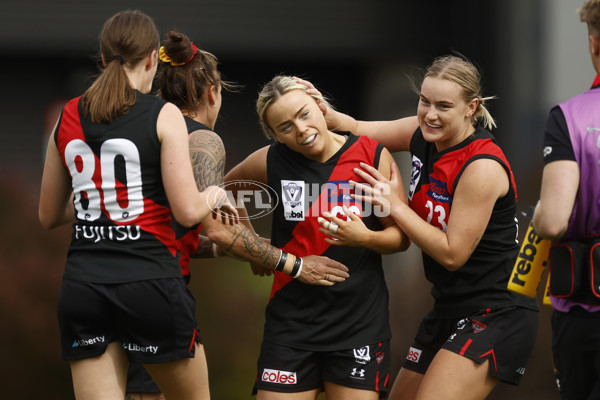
[[357, 373], [140, 349], [96, 233], [292, 193], [438, 190], [362, 355], [88, 342], [413, 355], [415, 175], [276, 376]]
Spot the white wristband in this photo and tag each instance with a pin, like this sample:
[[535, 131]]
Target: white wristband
[[215, 251]]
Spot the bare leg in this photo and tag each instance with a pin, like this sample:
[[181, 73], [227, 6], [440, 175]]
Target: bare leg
[[185, 379], [145, 396], [406, 385], [268, 395], [451, 376], [103, 377], [338, 392]]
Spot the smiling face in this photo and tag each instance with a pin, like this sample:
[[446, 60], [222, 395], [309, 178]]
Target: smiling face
[[296, 120], [443, 114]]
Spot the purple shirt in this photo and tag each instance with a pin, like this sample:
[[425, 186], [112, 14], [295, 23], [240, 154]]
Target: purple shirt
[[582, 115]]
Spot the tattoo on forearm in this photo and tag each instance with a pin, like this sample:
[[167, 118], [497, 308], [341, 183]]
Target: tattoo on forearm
[[246, 244], [208, 161], [208, 158]]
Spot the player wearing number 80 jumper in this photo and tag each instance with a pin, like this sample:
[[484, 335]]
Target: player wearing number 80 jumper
[[124, 156], [133, 239], [333, 338]]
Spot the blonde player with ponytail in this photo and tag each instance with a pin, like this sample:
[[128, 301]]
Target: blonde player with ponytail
[[462, 214]]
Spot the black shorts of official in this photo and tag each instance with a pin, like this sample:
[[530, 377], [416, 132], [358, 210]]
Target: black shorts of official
[[139, 380], [504, 336], [576, 353], [290, 370], [154, 320]]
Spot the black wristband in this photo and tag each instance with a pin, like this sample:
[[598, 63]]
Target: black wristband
[[281, 262], [296, 268]]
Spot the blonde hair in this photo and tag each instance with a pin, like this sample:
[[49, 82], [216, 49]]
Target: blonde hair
[[466, 75], [126, 38], [590, 14], [272, 91]]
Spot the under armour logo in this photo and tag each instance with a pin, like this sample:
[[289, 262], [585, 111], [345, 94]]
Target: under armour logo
[[360, 373]]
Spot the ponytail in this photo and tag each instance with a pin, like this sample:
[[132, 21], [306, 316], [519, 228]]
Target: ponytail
[[126, 39]]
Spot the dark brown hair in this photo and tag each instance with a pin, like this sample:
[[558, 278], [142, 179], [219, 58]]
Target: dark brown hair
[[126, 39], [184, 80]]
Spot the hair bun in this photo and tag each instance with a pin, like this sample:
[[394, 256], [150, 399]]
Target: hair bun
[[178, 47]]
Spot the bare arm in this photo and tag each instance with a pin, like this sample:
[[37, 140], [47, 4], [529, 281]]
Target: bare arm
[[483, 182], [238, 240], [560, 182], [395, 135], [189, 206], [55, 205]]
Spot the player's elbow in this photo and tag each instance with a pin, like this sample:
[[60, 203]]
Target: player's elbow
[[48, 220], [404, 243], [186, 216], [549, 229], [452, 262]]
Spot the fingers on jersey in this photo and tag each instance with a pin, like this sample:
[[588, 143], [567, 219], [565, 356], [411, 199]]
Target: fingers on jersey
[[329, 226]]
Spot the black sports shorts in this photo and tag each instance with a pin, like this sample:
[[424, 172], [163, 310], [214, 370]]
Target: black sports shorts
[[576, 353], [504, 336], [291, 370], [154, 320]]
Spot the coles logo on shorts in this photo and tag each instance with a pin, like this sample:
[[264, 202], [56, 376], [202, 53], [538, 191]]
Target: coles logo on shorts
[[413, 355], [276, 376]]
